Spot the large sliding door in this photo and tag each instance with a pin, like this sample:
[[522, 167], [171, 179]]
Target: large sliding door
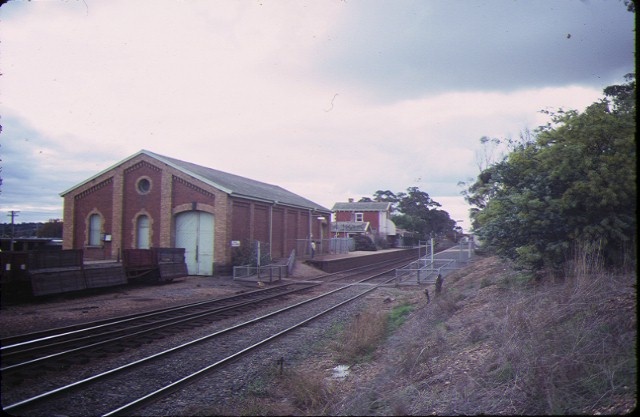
[[194, 233]]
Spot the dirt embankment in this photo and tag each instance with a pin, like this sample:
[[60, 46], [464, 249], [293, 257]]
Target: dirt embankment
[[492, 343]]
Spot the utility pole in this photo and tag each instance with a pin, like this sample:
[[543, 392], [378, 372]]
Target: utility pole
[[13, 214]]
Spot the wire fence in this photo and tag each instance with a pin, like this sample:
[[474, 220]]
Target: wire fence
[[266, 273], [427, 268], [335, 245]]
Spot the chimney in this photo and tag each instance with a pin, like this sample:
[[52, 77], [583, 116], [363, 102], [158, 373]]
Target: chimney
[[351, 200]]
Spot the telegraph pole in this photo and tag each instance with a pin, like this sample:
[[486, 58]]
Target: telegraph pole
[[13, 214]]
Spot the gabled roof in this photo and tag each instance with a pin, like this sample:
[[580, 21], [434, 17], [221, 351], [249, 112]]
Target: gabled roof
[[231, 184], [362, 206]]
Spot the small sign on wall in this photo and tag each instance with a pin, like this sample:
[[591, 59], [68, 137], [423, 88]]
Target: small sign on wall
[[235, 243]]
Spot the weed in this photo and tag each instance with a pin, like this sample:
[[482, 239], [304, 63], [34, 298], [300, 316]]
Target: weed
[[504, 372], [308, 390], [476, 335], [257, 388], [398, 316], [444, 307], [362, 335], [485, 282], [566, 346]]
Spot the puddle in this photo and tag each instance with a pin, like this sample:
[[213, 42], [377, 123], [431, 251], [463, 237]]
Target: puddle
[[340, 371]]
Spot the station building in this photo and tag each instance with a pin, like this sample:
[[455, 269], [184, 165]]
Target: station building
[[363, 217], [149, 200]]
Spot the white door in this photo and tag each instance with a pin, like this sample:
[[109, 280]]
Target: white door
[[142, 241], [194, 233]]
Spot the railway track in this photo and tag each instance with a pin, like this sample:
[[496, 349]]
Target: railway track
[[29, 355], [137, 382]]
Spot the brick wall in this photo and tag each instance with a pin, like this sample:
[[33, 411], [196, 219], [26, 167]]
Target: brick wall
[[120, 198]]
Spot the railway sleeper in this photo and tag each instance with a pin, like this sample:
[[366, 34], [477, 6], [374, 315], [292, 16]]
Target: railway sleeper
[[113, 349], [60, 365], [144, 340], [15, 379], [79, 359]]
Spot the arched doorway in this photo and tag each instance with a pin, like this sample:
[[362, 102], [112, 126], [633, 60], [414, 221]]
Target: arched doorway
[[194, 233]]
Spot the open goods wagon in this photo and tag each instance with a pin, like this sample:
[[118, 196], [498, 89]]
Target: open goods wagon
[[155, 264]]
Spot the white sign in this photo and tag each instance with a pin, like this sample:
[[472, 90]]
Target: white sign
[[235, 243]]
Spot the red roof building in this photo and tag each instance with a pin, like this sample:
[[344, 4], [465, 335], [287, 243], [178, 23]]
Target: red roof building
[[363, 218]]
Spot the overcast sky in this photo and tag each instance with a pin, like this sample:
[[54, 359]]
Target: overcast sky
[[328, 99]]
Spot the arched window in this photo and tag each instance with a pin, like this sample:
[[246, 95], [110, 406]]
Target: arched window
[[142, 230], [95, 229]]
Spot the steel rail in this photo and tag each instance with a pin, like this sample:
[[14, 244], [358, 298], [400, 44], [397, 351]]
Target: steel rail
[[174, 386], [93, 341], [12, 342], [81, 383], [129, 333]]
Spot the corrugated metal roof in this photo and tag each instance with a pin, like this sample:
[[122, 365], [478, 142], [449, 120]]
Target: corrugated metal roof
[[232, 184], [362, 206]]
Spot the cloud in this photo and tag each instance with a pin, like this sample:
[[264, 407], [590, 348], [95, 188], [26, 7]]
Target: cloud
[[330, 100], [413, 48]]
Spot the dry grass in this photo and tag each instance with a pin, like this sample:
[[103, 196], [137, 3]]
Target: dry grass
[[539, 349], [570, 348], [308, 390], [361, 336]]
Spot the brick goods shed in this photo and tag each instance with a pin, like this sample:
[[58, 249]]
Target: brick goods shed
[[149, 200]]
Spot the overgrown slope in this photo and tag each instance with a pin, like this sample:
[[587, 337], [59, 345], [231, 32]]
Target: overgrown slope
[[491, 343]]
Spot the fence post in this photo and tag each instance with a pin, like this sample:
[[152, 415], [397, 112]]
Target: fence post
[[432, 251]]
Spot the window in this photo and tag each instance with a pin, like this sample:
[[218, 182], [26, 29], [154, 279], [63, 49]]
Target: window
[[95, 229], [144, 185], [142, 232], [359, 217]]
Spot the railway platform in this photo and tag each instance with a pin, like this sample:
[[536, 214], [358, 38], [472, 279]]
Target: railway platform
[[342, 261]]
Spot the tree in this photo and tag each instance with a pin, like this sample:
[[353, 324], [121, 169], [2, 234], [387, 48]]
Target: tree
[[574, 184], [415, 202], [381, 196], [421, 214], [415, 211], [52, 228]]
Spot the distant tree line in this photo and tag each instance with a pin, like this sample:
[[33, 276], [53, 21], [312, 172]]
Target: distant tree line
[[569, 187], [50, 229]]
